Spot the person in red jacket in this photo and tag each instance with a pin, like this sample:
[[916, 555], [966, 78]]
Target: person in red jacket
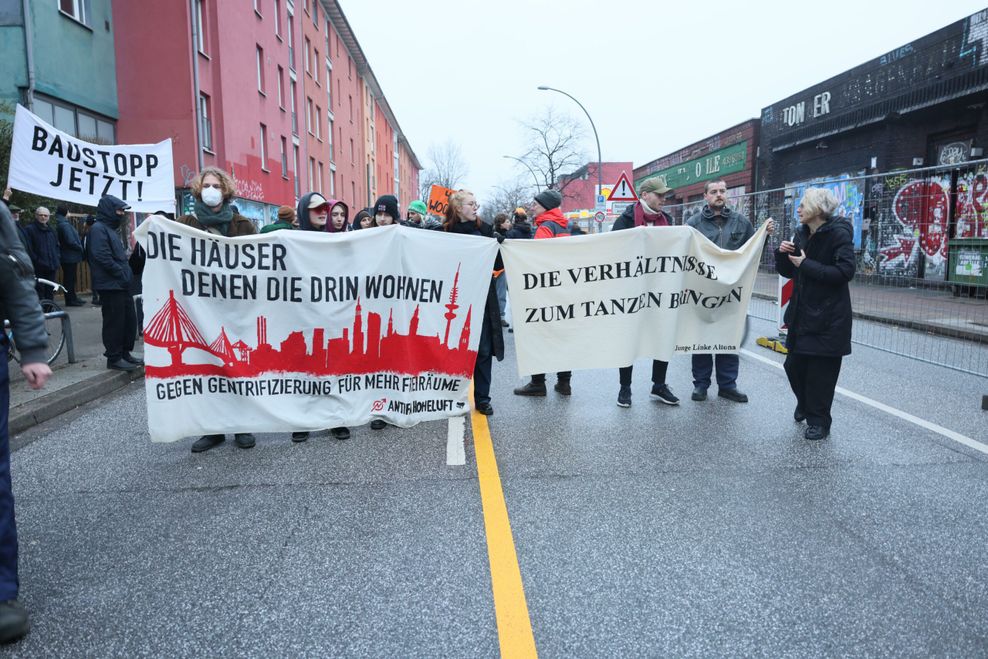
[[549, 223]]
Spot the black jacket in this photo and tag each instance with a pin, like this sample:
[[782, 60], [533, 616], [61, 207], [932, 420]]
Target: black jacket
[[107, 256], [69, 243], [44, 246], [492, 311], [521, 229], [819, 313], [18, 300]]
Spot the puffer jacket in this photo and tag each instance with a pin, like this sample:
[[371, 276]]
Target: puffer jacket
[[18, 299], [819, 313], [107, 257], [551, 224]]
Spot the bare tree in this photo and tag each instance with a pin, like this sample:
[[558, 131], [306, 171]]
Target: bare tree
[[505, 198], [555, 149], [448, 168]]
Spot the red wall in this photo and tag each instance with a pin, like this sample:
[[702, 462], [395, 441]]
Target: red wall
[[579, 194]]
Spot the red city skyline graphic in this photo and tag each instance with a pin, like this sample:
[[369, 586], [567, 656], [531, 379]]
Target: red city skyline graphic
[[359, 350]]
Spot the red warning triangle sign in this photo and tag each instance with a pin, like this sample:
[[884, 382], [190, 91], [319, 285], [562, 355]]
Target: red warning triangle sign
[[623, 190]]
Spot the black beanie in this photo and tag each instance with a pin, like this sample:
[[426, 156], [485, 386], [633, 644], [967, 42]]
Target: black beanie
[[388, 204], [549, 199]]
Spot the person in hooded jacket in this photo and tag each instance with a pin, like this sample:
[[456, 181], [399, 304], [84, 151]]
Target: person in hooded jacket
[[364, 219], [70, 252], [111, 275], [316, 213], [213, 211], [549, 223], [462, 219], [647, 212], [820, 261]]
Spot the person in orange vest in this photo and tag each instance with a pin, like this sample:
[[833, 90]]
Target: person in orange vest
[[549, 223]]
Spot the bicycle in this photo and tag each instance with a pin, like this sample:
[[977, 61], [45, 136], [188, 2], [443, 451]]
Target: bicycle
[[53, 326]]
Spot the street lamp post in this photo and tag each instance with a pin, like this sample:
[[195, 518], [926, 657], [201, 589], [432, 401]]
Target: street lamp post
[[538, 188], [595, 136]]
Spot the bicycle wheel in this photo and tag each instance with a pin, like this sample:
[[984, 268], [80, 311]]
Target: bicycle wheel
[[53, 326]]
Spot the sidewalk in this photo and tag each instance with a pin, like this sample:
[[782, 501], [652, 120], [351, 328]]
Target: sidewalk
[[73, 385]]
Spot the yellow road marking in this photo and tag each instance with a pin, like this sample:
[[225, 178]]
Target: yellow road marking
[[514, 626]]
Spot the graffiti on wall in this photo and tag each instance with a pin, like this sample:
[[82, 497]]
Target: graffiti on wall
[[972, 205], [975, 43], [913, 224], [850, 198]]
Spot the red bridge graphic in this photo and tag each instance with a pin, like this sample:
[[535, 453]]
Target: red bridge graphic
[[358, 350]]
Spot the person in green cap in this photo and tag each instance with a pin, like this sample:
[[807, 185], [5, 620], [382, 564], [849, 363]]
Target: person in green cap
[[418, 217]]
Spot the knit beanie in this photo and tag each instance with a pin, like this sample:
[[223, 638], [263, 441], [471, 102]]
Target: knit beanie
[[387, 204], [418, 206], [549, 199], [286, 214]]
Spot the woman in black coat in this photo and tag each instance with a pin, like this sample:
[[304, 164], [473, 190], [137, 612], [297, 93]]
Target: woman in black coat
[[820, 260], [461, 218]]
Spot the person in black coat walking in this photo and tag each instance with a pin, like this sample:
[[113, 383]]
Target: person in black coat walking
[[70, 250], [820, 260], [111, 277]]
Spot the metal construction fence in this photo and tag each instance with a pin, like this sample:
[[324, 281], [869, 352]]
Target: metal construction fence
[[921, 239]]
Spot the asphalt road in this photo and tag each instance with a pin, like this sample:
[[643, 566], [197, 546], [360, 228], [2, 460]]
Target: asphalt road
[[706, 529]]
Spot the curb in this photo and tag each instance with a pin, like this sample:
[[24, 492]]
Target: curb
[[49, 406]]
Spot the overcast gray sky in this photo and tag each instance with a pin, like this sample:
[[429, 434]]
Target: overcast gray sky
[[655, 76]]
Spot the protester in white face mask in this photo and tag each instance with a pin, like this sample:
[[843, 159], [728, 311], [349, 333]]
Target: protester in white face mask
[[213, 190]]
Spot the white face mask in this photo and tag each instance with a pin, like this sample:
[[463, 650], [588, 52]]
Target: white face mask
[[212, 197]]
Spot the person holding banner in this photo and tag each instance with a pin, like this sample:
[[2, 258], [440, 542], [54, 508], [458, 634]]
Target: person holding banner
[[728, 229], [213, 191], [647, 212], [462, 218], [549, 223], [316, 213], [820, 259]]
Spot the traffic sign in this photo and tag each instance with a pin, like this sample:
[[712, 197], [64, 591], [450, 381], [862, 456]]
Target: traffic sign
[[623, 190], [601, 199], [599, 217]]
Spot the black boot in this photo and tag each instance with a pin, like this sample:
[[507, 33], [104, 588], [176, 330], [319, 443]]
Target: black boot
[[533, 388]]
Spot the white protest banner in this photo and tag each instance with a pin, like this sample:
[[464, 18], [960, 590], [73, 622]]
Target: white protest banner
[[48, 162], [603, 301], [298, 330]]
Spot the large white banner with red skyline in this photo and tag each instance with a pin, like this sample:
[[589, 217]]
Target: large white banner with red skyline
[[603, 301], [296, 330]]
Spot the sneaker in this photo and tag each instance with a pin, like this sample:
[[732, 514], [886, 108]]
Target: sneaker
[[484, 408], [624, 397], [207, 442], [378, 424], [120, 365], [299, 437], [244, 440], [816, 432], [699, 393], [733, 394], [562, 386], [14, 623], [799, 415], [341, 433], [664, 393], [531, 389]]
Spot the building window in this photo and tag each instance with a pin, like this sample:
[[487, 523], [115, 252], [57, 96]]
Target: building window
[[318, 122], [351, 107], [74, 120], [200, 27], [351, 151], [319, 180], [305, 5], [281, 88], [77, 9], [205, 130], [257, 7], [329, 86], [312, 174], [284, 157], [295, 165], [315, 15], [291, 100], [305, 55], [329, 135], [315, 64], [332, 183], [277, 18], [291, 42], [308, 115], [264, 147], [260, 69]]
